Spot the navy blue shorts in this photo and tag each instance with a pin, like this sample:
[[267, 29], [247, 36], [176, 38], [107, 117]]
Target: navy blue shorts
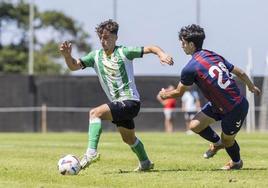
[[232, 121], [124, 112]]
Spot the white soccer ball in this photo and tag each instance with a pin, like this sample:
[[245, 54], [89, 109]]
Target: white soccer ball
[[69, 165]]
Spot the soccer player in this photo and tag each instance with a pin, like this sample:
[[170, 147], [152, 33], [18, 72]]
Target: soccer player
[[114, 67], [213, 75]]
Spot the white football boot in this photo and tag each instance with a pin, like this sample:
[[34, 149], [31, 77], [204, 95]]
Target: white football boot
[[88, 159]]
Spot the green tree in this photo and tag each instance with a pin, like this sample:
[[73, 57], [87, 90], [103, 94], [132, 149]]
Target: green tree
[[14, 53]]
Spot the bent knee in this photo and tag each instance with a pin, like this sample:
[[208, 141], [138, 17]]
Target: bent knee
[[195, 126], [192, 125], [94, 113], [227, 142], [129, 140]]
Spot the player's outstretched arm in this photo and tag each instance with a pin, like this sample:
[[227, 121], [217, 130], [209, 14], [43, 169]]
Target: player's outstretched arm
[[244, 77], [164, 58], [66, 50], [178, 92]]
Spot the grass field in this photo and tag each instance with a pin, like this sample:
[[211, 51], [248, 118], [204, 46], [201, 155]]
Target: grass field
[[30, 160]]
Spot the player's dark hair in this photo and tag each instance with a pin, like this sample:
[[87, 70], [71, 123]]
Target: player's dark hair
[[108, 25], [193, 33]]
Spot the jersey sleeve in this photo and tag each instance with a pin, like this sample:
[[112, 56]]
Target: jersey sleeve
[[88, 60], [133, 52], [187, 76], [228, 65]]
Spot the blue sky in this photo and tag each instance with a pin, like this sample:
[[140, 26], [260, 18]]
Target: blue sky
[[231, 26]]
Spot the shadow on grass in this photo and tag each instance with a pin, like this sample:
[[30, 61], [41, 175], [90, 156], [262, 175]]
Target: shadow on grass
[[181, 170], [243, 169]]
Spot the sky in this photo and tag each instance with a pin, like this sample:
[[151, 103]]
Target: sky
[[231, 26]]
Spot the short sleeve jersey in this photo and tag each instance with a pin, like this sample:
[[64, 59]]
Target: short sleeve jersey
[[211, 73], [115, 72]]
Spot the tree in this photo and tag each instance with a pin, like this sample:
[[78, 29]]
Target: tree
[[14, 51]]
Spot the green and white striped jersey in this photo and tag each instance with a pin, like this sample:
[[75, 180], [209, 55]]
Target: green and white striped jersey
[[116, 71]]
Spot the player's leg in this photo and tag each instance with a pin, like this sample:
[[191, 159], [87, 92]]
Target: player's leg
[[123, 114], [231, 124], [94, 132], [233, 150], [126, 129], [95, 116], [200, 125]]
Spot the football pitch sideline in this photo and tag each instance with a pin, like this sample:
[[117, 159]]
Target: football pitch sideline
[[30, 160]]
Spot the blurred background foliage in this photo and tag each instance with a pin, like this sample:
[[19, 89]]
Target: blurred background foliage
[[50, 28]]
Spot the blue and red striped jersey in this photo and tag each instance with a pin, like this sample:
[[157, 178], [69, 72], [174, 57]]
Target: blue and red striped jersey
[[211, 73]]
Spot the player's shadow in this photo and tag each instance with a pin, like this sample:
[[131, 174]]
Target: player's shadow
[[150, 171], [180, 170], [244, 169]]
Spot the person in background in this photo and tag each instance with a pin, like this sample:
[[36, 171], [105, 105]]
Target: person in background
[[169, 107], [190, 106]]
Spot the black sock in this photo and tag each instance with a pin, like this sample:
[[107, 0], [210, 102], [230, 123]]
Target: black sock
[[234, 152], [209, 135]]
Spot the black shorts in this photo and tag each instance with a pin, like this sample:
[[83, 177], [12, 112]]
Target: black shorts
[[124, 112], [232, 121]]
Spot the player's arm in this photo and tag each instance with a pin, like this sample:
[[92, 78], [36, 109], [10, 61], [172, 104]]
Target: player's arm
[[244, 77], [66, 50], [177, 92], [164, 58], [188, 75]]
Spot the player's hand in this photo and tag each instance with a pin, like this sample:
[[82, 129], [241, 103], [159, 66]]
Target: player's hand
[[255, 90], [66, 48], [166, 59]]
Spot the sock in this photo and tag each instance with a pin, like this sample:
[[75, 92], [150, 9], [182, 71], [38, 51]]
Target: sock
[[234, 152], [94, 132], [209, 135], [91, 151], [139, 150], [218, 143]]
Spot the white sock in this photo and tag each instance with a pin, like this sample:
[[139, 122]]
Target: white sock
[[91, 151]]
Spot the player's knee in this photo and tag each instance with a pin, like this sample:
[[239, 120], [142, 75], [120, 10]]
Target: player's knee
[[94, 113], [194, 127], [227, 142], [129, 140]]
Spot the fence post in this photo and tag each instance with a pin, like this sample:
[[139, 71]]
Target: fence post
[[44, 118], [263, 118], [250, 119]]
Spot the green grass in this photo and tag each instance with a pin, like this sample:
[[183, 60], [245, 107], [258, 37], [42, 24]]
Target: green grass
[[30, 160]]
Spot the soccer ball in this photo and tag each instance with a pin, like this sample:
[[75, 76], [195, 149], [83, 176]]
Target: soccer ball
[[69, 165]]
